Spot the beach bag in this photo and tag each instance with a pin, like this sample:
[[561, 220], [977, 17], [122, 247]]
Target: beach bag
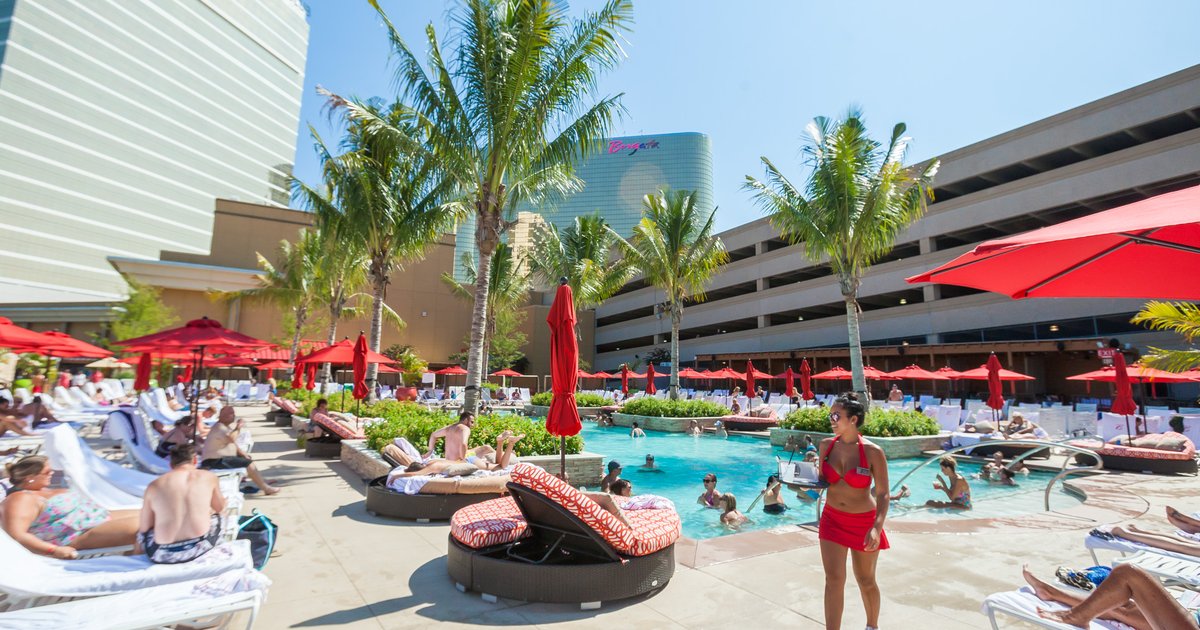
[[261, 532]]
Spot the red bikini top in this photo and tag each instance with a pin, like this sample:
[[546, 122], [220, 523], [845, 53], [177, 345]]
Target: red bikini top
[[856, 478]]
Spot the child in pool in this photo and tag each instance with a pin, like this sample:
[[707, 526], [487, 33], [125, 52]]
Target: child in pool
[[730, 516]]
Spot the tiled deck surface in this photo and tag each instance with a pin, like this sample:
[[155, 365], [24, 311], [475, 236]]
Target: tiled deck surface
[[339, 566]]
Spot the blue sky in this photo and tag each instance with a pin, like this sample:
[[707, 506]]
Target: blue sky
[[752, 74]]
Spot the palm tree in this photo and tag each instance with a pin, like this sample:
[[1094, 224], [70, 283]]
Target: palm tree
[[1182, 318], [508, 284], [291, 285], [858, 198], [508, 116], [342, 269], [582, 253], [396, 202], [675, 249]]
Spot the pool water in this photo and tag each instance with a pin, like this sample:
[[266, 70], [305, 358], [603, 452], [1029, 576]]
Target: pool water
[[742, 465]]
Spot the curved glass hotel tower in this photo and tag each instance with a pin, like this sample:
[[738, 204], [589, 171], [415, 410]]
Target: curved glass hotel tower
[[616, 177], [122, 121]]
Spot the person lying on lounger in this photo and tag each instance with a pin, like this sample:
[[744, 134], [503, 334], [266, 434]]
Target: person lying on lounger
[[482, 458], [9, 421], [1021, 429], [33, 413], [181, 513], [1129, 595], [1185, 523], [1167, 542], [57, 522]]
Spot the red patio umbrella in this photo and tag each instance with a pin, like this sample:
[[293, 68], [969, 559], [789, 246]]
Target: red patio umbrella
[[650, 388], [275, 365], [876, 374], [141, 382], [298, 373], [563, 418], [359, 365], [187, 374], [1106, 254], [603, 374], [60, 344], [342, 353], [750, 377], [504, 374], [1137, 373], [17, 338], [981, 374], [948, 372], [995, 389], [806, 391], [691, 373], [583, 374], [453, 370], [917, 373], [836, 373]]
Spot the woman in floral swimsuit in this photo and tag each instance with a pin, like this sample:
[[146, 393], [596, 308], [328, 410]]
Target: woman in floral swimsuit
[[58, 522]]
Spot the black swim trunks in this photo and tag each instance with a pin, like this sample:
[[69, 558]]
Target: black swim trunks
[[183, 550]]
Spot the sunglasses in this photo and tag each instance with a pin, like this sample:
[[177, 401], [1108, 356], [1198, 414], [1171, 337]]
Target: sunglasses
[[834, 416], [708, 480]]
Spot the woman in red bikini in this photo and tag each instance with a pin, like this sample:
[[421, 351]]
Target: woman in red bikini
[[852, 520]]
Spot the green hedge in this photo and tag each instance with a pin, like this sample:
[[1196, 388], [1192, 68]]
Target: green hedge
[[542, 399], [666, 408], [415, 423], [880, 422]]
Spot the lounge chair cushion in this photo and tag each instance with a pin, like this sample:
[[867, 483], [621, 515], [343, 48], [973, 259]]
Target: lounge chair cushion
[[467, 485], [1115, 450], [652, 529], [338, 428], [489, 523], [752, 419]]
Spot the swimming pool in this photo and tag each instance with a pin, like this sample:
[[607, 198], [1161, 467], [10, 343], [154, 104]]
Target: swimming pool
[[742, 465]]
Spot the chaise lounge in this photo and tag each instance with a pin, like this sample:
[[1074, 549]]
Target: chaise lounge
[[1141, 459], [760, 418], [548, 542], [330, 445]]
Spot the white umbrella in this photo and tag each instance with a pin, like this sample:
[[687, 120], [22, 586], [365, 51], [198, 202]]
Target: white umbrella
[[109, 362]]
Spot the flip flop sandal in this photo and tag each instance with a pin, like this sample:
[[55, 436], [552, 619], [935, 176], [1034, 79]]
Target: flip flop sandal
[[1074, 578]]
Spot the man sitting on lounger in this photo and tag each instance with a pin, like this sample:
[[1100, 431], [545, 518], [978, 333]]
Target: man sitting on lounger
[[456, 436], [221, 452], [180, 519]]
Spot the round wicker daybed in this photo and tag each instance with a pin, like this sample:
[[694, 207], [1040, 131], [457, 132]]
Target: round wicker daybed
[[319, 447], [383, 501]]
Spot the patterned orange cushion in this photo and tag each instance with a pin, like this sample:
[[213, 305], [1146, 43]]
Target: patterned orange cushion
[[489, 523], [611, 529], [653, 530], [337, 428]]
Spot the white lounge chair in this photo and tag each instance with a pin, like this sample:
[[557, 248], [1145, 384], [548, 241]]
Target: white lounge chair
[[108, 484], [122, 425], [30, 579], [1023, 604], [192, 603], [1171, 569]]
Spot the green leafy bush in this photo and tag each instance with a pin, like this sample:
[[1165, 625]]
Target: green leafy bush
[[880, 422], [582, 399], [665, 408], [416, 423]]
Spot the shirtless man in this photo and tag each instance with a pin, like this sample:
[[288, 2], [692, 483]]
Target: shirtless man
[[456, 436], [221, 451], [180, 519], [482, 457]]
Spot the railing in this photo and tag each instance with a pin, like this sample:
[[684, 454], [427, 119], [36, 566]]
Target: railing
[[1039, 446]]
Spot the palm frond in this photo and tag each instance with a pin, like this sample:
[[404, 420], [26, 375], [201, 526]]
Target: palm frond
[[1182, 318]]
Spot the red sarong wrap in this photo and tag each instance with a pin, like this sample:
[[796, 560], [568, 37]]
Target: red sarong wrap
[[848, 530]]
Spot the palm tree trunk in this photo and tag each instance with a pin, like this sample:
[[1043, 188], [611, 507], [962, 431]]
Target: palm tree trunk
[[676, 318], [301, 319], [379, 290], [327, 369], [856, 360], [476, 357]]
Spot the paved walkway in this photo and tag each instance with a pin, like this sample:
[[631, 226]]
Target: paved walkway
[[339, 566]]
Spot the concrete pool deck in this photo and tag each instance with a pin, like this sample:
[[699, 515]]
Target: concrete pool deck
[[339, 566]]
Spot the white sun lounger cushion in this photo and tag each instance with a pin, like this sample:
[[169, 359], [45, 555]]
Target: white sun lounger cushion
[[108, 484], [172, 603], [1166, 567], [1023, 605], [1121, 545], [29, 575]]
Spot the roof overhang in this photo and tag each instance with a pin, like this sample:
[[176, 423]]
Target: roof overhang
[[186, 276]]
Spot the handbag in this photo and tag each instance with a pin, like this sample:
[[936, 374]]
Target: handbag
[[262, 533]]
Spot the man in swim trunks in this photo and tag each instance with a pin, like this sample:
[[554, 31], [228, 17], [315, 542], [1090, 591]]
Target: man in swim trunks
[[456, 436], [180, 519], [221, 452]]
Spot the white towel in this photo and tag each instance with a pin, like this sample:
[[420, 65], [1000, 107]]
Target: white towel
[[408, 448]]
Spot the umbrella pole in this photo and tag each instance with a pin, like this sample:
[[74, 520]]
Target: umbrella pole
[[196, 398], [562, 457]]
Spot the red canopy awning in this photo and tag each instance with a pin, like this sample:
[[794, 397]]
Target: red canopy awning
[[1125, 252], [342, 353], [918, 373]]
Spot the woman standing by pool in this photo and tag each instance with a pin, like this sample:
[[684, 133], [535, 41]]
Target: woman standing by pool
[[852, 521]]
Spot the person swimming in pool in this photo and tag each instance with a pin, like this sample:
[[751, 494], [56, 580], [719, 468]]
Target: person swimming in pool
[[650, 466], [621, 488], [710, 496], [772, 502], [730, 516], [957, 489], [636, 431]]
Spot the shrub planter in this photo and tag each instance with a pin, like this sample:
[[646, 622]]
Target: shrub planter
[[586, 469], [655, 423], [540, 411], [893, 447]]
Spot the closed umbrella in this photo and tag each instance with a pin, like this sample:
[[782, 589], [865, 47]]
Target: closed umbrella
[[187, 375], [750, 378], [1123, 402], [650, 388], [310, 376], [995, 389], [789, 383], [298, 373], [359, 365], [142, 380], [624, 379], [563, 418], [806, 391]]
